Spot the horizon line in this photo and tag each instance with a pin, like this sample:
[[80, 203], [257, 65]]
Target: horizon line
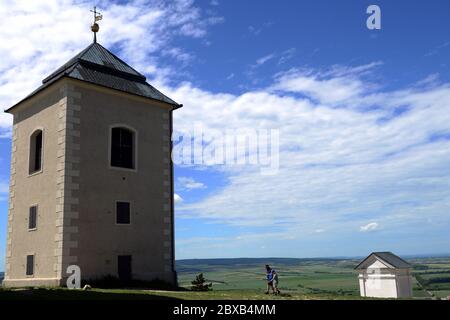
[[410, 256]]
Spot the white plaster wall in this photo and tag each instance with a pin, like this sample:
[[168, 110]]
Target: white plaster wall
[[362, 284], [380, 286]]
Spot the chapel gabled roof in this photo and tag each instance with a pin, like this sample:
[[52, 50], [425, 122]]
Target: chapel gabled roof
[[388, 257], [99, 66]]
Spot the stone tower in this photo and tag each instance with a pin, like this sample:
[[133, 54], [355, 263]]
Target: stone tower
[[91, 176]]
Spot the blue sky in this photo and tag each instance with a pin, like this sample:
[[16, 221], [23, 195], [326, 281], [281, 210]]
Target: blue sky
[[363, 115]]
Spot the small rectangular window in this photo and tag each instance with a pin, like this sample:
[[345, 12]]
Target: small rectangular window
[[122, 212], [32, 219], [30, 265], [124, 268]]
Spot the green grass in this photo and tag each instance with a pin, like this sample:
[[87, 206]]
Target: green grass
[[66, 294], [129, 294], [442, 293]]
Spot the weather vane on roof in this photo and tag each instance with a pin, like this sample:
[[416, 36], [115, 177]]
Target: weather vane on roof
[[95, 27]]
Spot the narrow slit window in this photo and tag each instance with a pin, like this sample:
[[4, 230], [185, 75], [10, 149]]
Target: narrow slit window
[[30, 265], [32, 219], [36, 152]]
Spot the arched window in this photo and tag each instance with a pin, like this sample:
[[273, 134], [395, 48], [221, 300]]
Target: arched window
[[35, 152], [123, 148]]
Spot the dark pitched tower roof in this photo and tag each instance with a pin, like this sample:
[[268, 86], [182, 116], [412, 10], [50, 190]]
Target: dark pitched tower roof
[[389, 258], [97, 65]]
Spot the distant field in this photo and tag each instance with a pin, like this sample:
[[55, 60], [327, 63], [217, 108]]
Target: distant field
[[297, 276], [320, 277], [433, 274]]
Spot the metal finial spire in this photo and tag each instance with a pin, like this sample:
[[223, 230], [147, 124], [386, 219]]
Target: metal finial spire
[[95, 27]]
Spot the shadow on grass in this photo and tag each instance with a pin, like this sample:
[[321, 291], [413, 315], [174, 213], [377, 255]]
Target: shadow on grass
[[63, 294]]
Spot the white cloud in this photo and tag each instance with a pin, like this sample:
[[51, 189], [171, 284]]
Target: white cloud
[[185, 183], [177, 198], [47, 33], [178, 54], [338, 166], [372, 226], [334, 86], [265, 59]]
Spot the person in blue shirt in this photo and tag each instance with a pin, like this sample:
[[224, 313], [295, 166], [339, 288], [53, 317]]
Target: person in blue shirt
[[272, 280]]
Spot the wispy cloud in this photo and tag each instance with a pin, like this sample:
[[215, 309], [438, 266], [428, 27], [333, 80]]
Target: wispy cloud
[[332, 86], [186, 183], [437, 49], [252, 68], [431, 80], [256, 30], [372, 226], [282, 58], [287, 55], [179, 54], [265, 59], [230, 76]]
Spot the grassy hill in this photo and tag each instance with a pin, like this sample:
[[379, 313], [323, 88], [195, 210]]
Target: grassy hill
[[300, 279]]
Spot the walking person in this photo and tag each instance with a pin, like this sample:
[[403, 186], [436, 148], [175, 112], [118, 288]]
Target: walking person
[[275, 282], [272, 280]]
